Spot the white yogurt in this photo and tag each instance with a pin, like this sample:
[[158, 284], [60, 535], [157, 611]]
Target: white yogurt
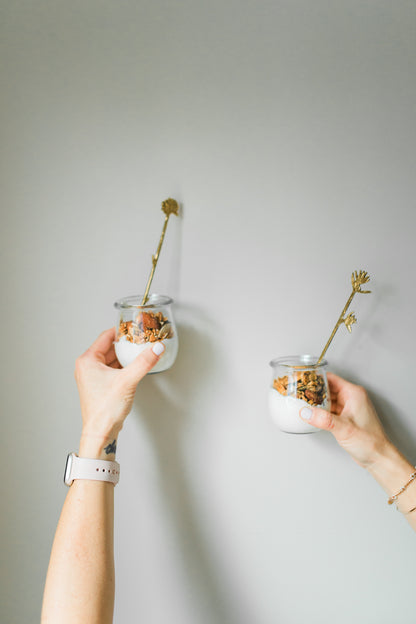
[[284, 410], [127, 351]]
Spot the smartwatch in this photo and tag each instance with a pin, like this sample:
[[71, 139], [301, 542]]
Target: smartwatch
[[92, 469]]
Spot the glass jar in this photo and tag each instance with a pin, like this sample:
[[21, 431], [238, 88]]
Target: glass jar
[[297, 382], [140, 326]]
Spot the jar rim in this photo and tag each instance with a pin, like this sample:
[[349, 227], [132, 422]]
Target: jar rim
[[305, 361], [134, 301]]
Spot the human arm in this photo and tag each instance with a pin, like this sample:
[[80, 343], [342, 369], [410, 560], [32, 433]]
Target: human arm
[[80, 579], [354, 423]]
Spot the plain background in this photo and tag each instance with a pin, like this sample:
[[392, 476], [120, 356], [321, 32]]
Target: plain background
[[286, 129]]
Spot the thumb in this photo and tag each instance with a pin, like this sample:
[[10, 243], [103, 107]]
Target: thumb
[[319, 418], [143, 363]]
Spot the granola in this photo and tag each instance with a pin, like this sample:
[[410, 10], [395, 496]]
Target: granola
[[147, 327], [307, 386]]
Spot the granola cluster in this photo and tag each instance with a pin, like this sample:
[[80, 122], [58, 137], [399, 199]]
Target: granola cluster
[[148, 327], [305, 385]]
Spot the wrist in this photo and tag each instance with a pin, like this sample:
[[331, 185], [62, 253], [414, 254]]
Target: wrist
[[96, 446], [390, 468]]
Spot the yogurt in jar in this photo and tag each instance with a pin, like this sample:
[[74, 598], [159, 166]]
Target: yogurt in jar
[[284, 411], [127, 352]]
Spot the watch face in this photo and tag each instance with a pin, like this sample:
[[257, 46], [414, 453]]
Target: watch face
[[68, 468]]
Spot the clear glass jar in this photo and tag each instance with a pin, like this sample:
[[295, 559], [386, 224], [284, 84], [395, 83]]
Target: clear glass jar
[[139, 326], [297, 382]]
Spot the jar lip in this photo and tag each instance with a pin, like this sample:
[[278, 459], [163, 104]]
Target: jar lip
[[134, 301], [298, 361]]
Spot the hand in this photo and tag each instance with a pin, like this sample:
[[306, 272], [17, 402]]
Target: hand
[[352, 420], [107, 390]]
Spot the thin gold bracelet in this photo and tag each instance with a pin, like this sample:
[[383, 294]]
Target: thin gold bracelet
[[394, 498], [410, 511]]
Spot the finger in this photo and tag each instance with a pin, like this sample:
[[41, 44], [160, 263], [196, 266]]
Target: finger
[[338, 384], [143, 363], [341, 391], [103, 344], [336, 407], [319, 418], [110, 356]]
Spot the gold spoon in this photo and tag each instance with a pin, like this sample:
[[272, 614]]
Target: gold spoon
[[357, 280], [169, 206]]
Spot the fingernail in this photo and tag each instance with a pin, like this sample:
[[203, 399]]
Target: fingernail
[[158, 348], [306, 413]]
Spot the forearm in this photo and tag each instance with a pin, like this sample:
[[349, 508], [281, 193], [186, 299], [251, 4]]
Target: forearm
[[392, 470], [80, 580]]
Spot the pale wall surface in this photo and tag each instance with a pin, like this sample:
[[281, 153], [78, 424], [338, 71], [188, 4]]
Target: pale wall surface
[[287, 131]]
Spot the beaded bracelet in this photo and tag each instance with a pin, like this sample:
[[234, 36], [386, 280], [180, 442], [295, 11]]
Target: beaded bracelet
[[394, 498]]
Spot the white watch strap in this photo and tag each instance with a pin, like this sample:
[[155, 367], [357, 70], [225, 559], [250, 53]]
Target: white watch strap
[[93, 469]]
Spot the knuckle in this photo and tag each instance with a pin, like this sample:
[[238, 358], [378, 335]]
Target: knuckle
[[80, 365], [361, 393], [329, 421], [324, 420]]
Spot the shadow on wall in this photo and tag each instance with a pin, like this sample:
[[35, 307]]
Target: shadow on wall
[[396, 430], [166, 404]]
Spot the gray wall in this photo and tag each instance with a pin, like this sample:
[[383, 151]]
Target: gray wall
[[286, 129]]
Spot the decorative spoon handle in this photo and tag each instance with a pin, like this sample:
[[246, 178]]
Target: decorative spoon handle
[[357, 280], [169, 206]]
